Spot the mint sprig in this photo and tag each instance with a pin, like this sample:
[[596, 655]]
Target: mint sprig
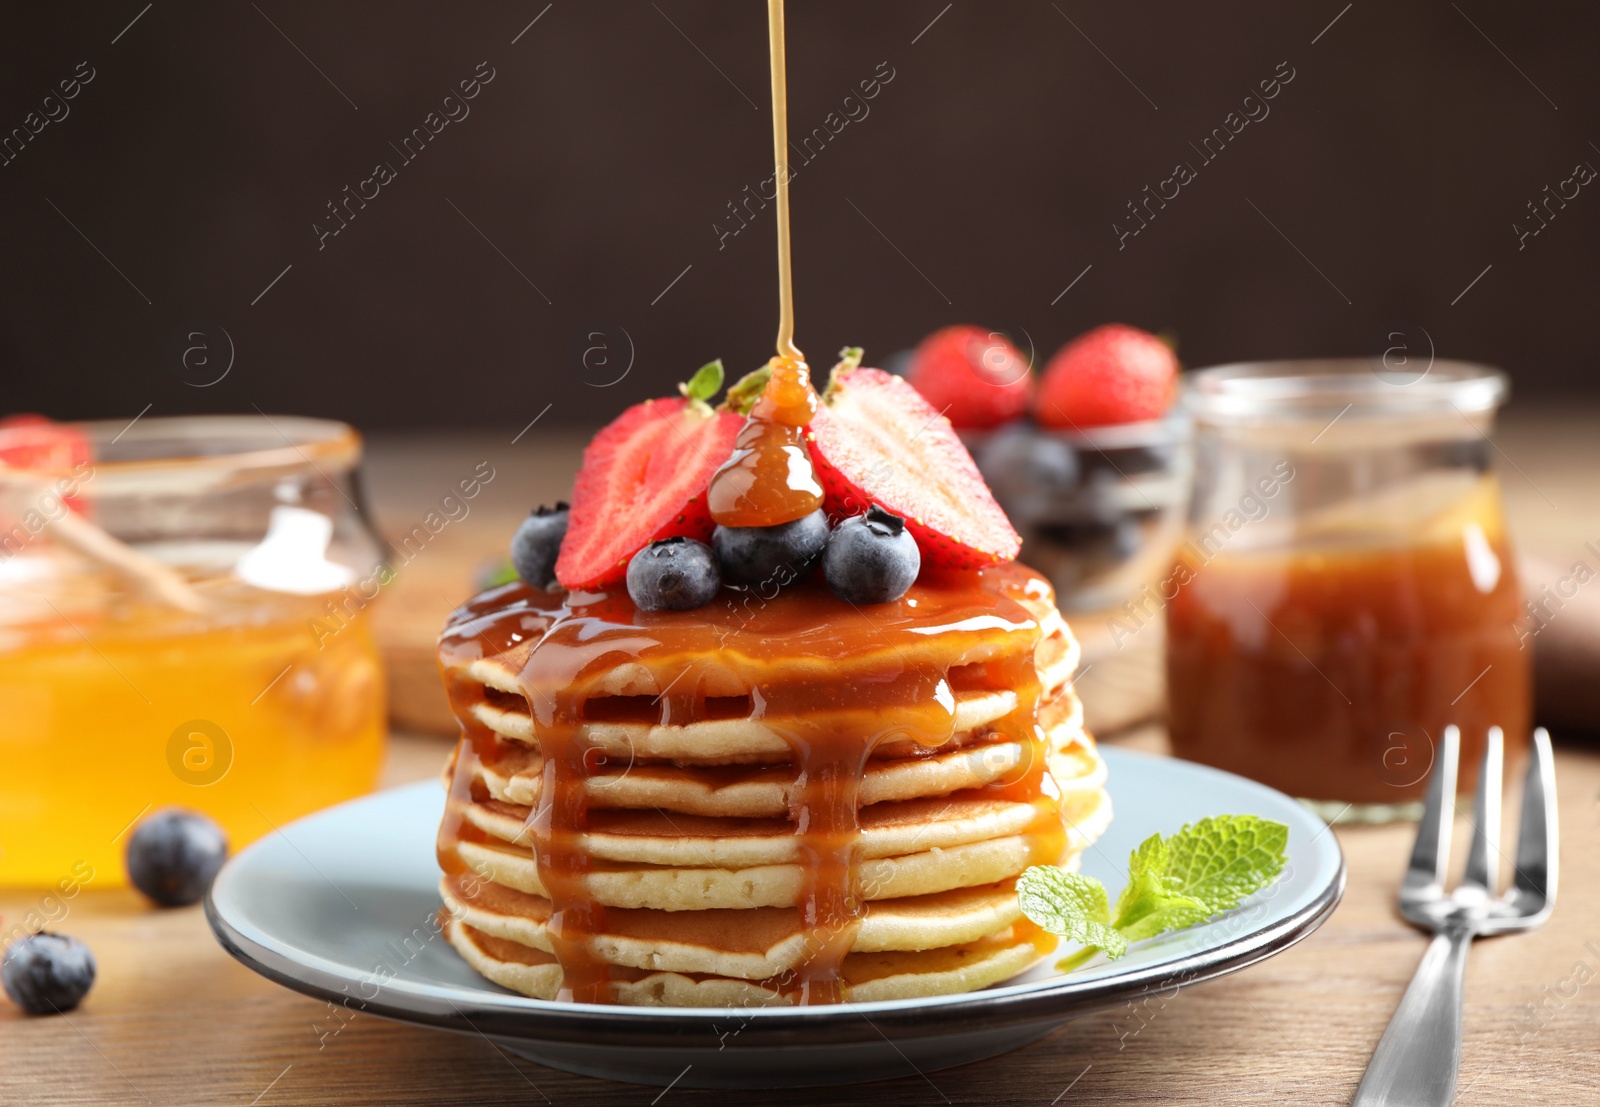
[[1204, 869]]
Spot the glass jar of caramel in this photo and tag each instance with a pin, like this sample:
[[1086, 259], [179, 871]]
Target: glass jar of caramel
[[182, 621], [1347, 589]]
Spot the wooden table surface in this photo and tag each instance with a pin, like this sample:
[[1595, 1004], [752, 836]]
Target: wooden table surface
[[172, 1019]]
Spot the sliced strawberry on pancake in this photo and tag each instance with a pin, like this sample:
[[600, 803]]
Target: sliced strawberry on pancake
[[644, 477], [876, 440]]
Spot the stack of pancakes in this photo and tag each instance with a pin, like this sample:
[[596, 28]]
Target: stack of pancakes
[[718, 809]]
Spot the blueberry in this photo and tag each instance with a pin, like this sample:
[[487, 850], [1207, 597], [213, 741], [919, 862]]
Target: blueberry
[[1028, 470], [1132, 460], [899, 362], [871, 558], [174, 854], [1105, 496], [45, 974], [674, 574], [1128, 539], [1107, 543], [780, 554], [536, 543]]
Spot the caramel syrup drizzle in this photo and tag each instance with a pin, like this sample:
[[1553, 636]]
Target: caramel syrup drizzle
[[769, 479], [780, 157], [823, 676]]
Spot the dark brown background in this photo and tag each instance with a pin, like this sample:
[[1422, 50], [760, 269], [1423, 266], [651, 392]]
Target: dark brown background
[[598, 160]]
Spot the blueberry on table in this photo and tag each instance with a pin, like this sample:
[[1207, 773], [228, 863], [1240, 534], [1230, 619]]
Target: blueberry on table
[[1029, 470], [45, 973], [778, 555], [871, 558], [673, 574], [174, 854], [537, 542]]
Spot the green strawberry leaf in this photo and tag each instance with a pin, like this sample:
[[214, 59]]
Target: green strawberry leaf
[[744, 392], [849, 361], [706, 382]]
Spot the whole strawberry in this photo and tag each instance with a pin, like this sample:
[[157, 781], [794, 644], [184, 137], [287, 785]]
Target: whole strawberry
[[976, 377], [1113, 374]]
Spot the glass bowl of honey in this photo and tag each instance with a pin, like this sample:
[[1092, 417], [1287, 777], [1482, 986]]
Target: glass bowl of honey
[[1347, 587], [182, 621]]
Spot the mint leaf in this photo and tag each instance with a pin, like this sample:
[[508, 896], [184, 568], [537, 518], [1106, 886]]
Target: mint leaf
[[1222, 860], [496, 574], [1071, 905], [1154, 902], [1201, 871], [1073, 960], [706, 382]]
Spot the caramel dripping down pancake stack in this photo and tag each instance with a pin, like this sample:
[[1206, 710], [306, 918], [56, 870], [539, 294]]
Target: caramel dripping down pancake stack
[[783, 801]]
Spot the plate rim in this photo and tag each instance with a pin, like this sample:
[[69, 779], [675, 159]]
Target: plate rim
[[516, 1017]]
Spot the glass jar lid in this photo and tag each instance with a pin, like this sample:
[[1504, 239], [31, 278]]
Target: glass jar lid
[[1349, 389]]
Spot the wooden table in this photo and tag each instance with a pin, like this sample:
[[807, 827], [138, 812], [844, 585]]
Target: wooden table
[[172, 1019]]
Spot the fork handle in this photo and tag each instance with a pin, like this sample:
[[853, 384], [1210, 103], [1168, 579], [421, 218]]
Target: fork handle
[[1416, 1062]]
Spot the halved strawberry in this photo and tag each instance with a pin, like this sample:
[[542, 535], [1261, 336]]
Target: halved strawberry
[[876, 440], [644, 477]]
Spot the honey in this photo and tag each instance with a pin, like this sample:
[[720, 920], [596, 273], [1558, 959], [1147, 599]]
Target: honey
[[244, 718], [1330, 670]]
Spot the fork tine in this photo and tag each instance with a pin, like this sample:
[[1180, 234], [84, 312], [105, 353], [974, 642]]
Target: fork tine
[[1537, 845], [1482, 866], [1432, 849]]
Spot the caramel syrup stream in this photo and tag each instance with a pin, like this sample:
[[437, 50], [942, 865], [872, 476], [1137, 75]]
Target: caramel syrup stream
[[769, 479], [780, 153]]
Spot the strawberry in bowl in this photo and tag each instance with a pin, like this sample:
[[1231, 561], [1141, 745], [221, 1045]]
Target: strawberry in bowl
[[1093, 469]]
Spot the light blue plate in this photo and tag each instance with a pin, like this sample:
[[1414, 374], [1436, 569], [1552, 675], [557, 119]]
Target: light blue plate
[[339, 906]]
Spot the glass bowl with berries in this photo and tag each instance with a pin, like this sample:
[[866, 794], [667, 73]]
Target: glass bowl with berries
[[1091, 458]]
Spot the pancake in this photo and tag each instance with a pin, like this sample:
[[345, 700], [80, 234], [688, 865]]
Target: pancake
[[515, 774], [798, 803], [620, 709], [869, 977], [752, 944]]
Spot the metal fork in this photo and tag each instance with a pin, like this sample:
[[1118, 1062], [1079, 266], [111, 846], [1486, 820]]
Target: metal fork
[[1416, 1062]]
